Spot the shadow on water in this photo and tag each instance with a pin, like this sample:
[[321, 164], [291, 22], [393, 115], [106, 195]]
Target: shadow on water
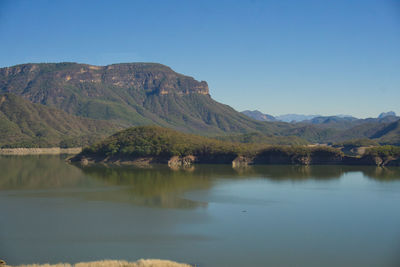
[[158, 186]]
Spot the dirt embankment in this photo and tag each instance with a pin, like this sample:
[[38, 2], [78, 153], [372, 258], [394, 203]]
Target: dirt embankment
[[40, 151]]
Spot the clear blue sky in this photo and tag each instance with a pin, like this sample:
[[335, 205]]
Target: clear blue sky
[[324, 57]]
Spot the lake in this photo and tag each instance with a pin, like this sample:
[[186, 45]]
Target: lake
[[207, 215]]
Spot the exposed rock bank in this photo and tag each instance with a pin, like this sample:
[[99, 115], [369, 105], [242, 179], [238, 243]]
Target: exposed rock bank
[[266, 158]]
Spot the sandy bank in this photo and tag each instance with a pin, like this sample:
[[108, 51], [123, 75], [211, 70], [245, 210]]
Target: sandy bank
[[40, 151], [113, 263]]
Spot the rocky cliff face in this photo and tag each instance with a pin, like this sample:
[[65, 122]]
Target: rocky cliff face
[[39, 82]]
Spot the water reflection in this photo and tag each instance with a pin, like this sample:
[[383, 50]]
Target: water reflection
[[158, 186], [274, 215], [326, 172], [39, 173]]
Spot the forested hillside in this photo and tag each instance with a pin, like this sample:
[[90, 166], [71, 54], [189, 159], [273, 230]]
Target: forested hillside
[[24, 124]]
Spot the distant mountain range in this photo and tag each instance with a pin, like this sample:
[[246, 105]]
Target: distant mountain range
[[49, 104], [293, 118], [384, 129]]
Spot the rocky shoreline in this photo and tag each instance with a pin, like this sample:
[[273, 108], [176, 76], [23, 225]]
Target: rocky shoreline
[[271, 158], [40, 151]]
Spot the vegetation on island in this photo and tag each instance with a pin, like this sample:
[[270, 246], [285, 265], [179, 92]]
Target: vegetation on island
[[354, 143], [154, 141], [164, 143], [384, 151], [259, 138]]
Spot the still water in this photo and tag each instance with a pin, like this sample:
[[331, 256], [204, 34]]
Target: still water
[[51, 211]]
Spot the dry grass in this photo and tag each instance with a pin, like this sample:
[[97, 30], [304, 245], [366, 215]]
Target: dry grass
[[114, 263]]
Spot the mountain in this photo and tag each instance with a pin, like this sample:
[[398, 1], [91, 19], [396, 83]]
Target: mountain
[[291, 118], [334, 129], [337, 119], [295, 117], [25, 124], [128, 94], [385, 114], [312, 133], [331, 119], [83, 97], [259, 116], [390, 134], [376, 129], [334, 122]]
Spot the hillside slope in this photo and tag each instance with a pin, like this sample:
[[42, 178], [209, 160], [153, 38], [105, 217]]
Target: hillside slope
[[24, 124], [390, 134]]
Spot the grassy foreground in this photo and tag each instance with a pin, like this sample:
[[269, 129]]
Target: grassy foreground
[[114, 263]]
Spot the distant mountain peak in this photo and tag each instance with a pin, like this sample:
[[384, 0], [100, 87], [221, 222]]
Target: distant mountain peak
[[386, 114], [295, 118]]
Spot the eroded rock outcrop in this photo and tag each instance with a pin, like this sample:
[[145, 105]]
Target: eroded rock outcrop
[[181, 161]]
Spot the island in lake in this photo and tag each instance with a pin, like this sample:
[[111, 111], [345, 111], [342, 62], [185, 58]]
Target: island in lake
[[145, 145]]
